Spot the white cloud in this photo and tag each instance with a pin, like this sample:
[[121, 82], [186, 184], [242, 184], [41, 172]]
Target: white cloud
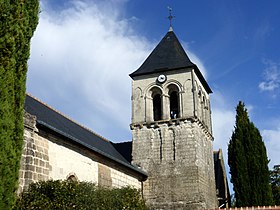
[[271, 76], [195, 59], [272, 142], [80, 61], [81, 57], [199, 63], [223, 125], [268, 86], [223, 118]]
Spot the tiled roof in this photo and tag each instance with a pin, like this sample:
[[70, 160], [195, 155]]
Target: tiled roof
[[168, 55], [57, 122], [125, 148]]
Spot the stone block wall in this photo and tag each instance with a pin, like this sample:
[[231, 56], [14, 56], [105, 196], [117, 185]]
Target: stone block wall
[[120, 179], [66, 159], [178, 157], [35, 159], [48, 156]]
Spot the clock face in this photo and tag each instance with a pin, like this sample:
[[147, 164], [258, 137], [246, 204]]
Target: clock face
[[162, 78]]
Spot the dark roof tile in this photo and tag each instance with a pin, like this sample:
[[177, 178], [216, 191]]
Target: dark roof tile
[[125, 148]]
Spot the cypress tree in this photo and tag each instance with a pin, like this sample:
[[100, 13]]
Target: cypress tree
[[18, 21], [248, 162], [275, 183]]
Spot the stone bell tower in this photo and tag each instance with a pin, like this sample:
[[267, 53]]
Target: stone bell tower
[[172, 131]]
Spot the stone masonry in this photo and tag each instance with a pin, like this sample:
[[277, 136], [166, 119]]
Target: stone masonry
[[176, 153], [49, 156], [35, 159]]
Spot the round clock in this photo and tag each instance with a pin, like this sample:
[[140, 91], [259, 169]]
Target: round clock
[[161, 78]]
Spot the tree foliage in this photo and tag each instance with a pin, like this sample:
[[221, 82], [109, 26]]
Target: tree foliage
[[18, 20], [248, 162], [78, 195], [275, 183]]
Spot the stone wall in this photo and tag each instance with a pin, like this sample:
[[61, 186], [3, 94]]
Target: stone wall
[[50, 156], [66, 158], [35, 159], [178, 159]]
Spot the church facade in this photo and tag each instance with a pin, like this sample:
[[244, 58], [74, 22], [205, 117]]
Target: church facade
[[170, 159]]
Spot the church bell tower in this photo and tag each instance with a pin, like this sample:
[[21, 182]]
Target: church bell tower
[[171, 129]]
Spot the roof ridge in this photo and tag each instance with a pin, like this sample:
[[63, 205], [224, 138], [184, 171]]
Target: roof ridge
[[58, 112]]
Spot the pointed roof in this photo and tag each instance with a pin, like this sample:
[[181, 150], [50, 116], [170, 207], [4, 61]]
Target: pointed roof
[[168, 55]]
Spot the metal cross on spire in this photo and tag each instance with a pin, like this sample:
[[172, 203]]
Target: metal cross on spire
[[170, 17]]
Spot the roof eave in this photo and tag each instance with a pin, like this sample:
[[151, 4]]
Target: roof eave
[[197, 71], [203, 81], [134, 74]]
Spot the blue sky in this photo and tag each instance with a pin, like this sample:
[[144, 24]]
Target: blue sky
[[83, 51]]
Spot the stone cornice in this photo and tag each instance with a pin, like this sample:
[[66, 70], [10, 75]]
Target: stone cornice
[[170, 122]]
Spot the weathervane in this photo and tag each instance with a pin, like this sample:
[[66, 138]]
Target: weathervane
[[170, 17]]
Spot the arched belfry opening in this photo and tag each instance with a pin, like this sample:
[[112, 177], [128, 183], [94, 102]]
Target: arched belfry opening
[[174, 101], [203, 109], [157, 110], [156, 94], [174, 105]]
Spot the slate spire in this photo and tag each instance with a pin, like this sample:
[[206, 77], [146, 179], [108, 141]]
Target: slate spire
[[168, 55]]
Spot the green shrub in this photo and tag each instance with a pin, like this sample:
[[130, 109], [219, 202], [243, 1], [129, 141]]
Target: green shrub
[[78, 195]]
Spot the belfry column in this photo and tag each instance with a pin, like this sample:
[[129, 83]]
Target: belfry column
[[149, 109], [165, 107]]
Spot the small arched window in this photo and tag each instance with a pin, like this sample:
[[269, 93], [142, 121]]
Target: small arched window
[[157, 107], [72, 178], [174, 105]]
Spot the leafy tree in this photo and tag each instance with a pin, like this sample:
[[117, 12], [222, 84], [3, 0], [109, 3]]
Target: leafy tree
[[248, 162], [51, 195], [275, 183], [18, 20]]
